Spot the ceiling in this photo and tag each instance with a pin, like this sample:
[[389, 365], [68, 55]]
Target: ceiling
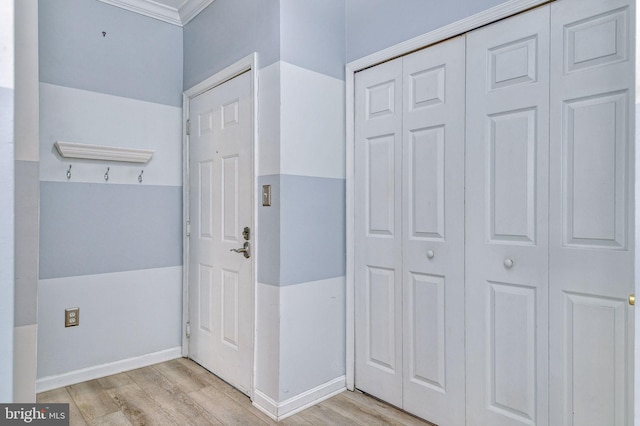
[[177, 12]]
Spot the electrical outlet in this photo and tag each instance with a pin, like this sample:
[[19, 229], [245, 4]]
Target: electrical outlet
[[71, 317]]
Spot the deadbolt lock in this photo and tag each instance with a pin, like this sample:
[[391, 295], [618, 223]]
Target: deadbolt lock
[[246, 233]]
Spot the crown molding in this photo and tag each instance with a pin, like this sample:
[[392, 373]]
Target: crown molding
[[156, 10], [100, 152], [191, 8]]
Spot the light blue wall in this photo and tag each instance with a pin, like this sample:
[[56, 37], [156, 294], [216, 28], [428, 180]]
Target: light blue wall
[[302, 234], [110, 246], [227, 31], [122, 316], [269, 223], [312, 35], [139, 58], [6, 115], [26, 246], [312, 236], [373, 25], [88, 229]]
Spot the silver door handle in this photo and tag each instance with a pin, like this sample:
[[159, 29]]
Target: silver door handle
[[246, 250]]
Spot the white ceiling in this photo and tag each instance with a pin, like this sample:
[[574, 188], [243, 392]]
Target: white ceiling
[[177, 12]]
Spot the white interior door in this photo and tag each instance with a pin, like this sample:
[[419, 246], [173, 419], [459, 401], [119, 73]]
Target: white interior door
[[547, 217], [410, 232], [592, 212], [433, 232], [221, 206], [378, 219], [507, 151]]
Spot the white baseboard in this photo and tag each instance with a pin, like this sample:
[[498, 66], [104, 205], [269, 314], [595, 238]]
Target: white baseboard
[[279, 411], [78, 376]]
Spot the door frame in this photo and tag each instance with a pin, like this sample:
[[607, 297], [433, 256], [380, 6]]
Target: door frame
[[505, 10], [247, 64]]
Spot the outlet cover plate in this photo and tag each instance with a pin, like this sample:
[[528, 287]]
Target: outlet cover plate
[[71, 317]]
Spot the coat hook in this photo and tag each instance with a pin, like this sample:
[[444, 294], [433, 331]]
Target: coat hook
[[69, 172], [106, 175], [140, 176]]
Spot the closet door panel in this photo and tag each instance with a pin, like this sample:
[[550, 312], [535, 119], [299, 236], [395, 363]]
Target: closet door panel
[[506, 215], [378, 231], [433, 232], [591, 212]]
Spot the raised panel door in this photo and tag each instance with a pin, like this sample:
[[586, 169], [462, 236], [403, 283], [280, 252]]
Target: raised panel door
[[506, 208], [221, 176], [378, 231], [433, 232], [591, 213]]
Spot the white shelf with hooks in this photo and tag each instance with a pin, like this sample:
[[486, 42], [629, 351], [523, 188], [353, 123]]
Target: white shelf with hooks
[[102, 152]]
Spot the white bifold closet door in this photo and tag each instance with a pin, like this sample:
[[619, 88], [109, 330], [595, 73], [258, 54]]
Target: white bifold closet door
[[409, 211], [494, 222], [507, 199], [592, 213]]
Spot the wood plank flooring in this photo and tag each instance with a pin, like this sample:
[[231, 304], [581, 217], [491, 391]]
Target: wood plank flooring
[[180, 392]]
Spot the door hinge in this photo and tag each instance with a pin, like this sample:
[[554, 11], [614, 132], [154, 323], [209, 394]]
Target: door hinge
[[188, 127], [188, 228], [188, 330]]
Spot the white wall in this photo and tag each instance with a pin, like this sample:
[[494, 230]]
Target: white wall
[[6, 199], [112, 248], [27, 200]]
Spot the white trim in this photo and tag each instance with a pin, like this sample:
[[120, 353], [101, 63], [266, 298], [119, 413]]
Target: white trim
[[635, 49], [78, 376], [149, 8], [162, 12], [102, 152], [247, 64], [185, 218], [465, 25], [486, 17], [289, 407], [25, 349], [191, 8], [350, 319]]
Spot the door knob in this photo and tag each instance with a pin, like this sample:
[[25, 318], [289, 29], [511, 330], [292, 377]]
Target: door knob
[[632, 299], [430, 254], [245, 249], [508, 263]]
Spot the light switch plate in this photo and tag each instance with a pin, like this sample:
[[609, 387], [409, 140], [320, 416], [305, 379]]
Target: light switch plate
[[266, 195]]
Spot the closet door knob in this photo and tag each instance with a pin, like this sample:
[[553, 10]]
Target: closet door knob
[[430, 254], [508, 263], [632, 299]]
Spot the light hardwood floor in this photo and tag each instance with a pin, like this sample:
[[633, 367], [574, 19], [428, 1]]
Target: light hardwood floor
[[180, 392]]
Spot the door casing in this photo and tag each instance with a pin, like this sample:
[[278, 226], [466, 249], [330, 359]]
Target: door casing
[[246, 64]]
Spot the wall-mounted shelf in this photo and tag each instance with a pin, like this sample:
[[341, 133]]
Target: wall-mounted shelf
[[101, 152]]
